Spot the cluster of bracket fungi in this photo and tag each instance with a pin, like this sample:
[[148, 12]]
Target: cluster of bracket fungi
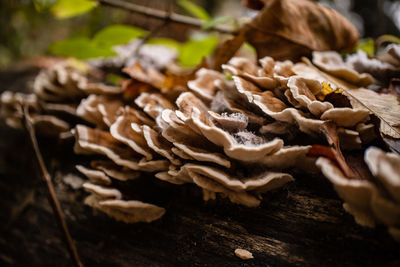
[[235, 134]]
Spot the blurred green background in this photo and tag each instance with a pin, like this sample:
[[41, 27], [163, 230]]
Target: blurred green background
[[27, 29]]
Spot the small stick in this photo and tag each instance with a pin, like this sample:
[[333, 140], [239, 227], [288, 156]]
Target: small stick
[[153, 32], [164, 15], [55, 204]]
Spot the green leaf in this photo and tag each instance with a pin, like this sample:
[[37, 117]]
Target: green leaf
[[214, 22], [43, 5], [80, 48], [117, 35], [194, 10], [387, 38], [114, 79], [366, 45], [165, 41], [250, 48], [193, 51], [69, 8]]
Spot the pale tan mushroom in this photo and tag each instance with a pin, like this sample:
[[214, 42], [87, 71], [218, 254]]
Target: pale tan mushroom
[[261, 182], [346, 117], [304, 90], [64, 82], [349, 139], [242, 198], [145, 74], [96, 141], [386, 168], [102, 191], [165, 176], [277, 127], [123, 132], [232, 148], [99, 110], [95, 176], [153, 104], [115, 171], [263, 77], [195, 146], [289, 157], [159, 144], [241, 65], [230, 122], [12, 104], [204, 84], [128, 211], [363, 199], [49, 125], [223, 103], [332, 63], [131, 211], [275, 108], [366, 132], [59, 108]]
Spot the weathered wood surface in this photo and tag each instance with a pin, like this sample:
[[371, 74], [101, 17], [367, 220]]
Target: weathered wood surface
[[301, 224]]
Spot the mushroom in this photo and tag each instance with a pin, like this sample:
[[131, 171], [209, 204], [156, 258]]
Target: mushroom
[[304, 90], [95, 176], [367, 202], [123, 132], [204, 84], [332, 63], [114, 171], [96, 141]]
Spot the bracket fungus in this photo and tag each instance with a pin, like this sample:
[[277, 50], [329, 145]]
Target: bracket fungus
[[374, 200], [232, 138]]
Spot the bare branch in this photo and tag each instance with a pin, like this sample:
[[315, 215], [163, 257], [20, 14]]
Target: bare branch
[[156, 30], [164, 15], [55, 204]]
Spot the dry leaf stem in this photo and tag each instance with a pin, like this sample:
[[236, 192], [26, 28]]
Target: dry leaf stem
[[164, 15], [55, 204], [166, 21]]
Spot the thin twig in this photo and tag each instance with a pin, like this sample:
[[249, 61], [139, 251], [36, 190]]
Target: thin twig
[[52, 195], [153, 32], [164, 15]]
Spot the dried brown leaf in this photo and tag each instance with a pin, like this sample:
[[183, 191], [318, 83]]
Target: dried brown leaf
[[227, 50], [287, 29], [147, 75]]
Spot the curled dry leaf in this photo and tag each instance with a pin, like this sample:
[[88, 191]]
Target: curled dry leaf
[[289, 29]]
